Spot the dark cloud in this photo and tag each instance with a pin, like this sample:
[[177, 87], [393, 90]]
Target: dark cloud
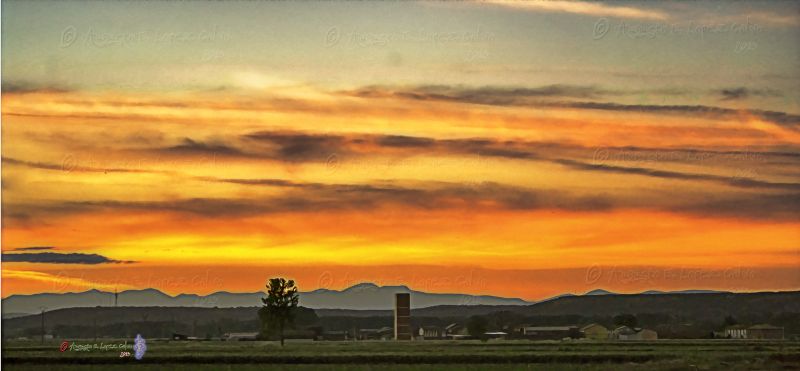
[[733, 94], [780, 118], [190, 146], [692, 154], [528, 97], [483, 95], [23, 87], [500, 152], [34, 248], [261, 181], [59, 258], [743, 93], [732, 181], [293, 147], [70, 165], [318, 197], [405, 141], [319, 147], [313, 197], [288, 146], [758, 206]]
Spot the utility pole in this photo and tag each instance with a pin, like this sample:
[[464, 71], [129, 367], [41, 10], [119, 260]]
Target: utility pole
[[43, 309], [95, 324], [116, 297]]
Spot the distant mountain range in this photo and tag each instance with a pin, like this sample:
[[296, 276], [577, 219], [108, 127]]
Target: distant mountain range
[[673, 315], [367, 296], [363, 296]]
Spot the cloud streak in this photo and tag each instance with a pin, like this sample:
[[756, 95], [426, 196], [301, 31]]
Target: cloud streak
[[597, 9], [313, 197], [504, 96], [744, 93], [493, 95], [726, 180], [60, 258], [34, 248], [292, 147]]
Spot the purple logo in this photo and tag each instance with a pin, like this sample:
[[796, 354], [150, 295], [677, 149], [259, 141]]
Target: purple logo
[[139, 347]]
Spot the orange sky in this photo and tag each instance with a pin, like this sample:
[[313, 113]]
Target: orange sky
[[240, 196], [473, 147]]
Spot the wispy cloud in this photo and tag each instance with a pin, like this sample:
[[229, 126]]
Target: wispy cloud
[[787, 19], [756, 18], [596, 9], [60, 281]]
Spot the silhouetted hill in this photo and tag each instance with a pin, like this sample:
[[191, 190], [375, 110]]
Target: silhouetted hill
[[599, 292], [700, 305], [690, 305]]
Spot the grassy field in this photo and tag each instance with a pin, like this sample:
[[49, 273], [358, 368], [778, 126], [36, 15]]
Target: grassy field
[[419, 355]]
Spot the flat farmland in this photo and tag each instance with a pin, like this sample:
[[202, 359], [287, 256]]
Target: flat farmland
[[415, 355]]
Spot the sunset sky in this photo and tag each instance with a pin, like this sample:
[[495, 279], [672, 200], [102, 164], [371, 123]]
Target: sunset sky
[[521, 149]]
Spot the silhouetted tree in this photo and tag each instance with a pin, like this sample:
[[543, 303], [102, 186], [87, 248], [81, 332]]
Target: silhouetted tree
[[505, 320], [626, 320], [279, 305], [477, 326], [730, 321]]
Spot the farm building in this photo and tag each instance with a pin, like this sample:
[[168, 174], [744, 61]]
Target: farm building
[[736, 332], [240, 336], [765, 332], [383, 333], [496, 335], [430, 332], [633, 333], [335, 335], [548, 332], [454, 330], [756, 332], [595, 331], [179, 337]]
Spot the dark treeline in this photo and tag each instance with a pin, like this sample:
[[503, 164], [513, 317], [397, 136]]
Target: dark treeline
[[668, 326], [672, 316], [152, 329], [307, 324]]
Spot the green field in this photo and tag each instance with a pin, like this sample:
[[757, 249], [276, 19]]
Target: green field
[[417, 355]]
